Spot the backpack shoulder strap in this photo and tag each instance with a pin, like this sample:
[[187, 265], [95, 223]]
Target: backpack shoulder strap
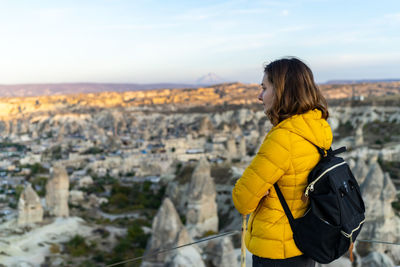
[[284, 205], [323, 152], [339, 150]]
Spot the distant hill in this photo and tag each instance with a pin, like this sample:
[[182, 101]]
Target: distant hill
[[360, 81], [334, 89], [218, 97], [76, 88]]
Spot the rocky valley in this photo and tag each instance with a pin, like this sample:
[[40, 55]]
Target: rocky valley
[[98, 178]]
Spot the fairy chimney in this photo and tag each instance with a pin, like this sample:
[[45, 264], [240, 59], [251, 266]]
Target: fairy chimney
[[57, 192], [201, 215], [378, 192], [29, 208], [359, 138], [242, 148], [169, 232], [231, 148], [220, 252], [360, 170]]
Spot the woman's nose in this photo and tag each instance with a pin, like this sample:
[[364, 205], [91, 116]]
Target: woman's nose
[[260, 96]]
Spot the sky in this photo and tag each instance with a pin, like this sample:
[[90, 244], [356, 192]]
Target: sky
[[149, 41]]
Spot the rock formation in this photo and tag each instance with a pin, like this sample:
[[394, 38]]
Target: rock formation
[[94, 201], [381, 223], [76, 197], [231, 148], [229, 218], [359, 138], [235, 129], [242, 148], [243, 115], [186, 256], [177, 192], [220, 252], [148, 168], [205, 127], [130, 122], [378, 192], [341, 262], [57, 192], [360, 170], [254, 140], [168, 232], [201, 213], [29, 208], [85, 181], [375, 259]]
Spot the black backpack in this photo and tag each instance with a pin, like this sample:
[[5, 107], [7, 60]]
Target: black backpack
[[336, 213]]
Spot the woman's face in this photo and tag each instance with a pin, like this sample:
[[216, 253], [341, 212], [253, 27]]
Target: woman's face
[[267, 93]]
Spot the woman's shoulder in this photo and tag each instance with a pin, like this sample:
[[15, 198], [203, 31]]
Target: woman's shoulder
[[280, 136], [306, 126]]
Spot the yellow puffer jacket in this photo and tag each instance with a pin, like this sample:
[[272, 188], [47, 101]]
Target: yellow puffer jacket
[[287, 158]]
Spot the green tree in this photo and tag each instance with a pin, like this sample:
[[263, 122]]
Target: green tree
[[137, 235], [120, 200], [92, 150], [77, 246], [18, 191]]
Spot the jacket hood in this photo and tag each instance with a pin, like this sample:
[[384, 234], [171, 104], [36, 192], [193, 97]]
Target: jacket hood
[[311, 126]]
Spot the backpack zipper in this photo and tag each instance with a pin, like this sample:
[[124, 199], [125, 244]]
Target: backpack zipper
[[351, 233], [310, 187]]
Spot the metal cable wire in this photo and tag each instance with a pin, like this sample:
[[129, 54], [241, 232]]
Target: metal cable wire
[[215, 237], [377, 241], [167, 250]]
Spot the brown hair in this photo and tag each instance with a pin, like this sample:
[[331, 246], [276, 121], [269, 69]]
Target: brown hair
[[295, 90]]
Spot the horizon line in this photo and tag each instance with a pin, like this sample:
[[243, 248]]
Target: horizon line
[[194, 83]]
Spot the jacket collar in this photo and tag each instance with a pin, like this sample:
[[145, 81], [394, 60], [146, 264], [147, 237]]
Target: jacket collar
[[311, 126]]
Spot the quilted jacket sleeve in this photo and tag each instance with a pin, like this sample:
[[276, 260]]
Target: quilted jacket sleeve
[[270, 163]]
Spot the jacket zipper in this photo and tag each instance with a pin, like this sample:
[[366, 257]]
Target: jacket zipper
[[310, 187], [255, 213]]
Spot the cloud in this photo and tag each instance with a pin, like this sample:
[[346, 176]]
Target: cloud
[[193, 16], [393, 18], [203, 13], [296, 28], [248, 11], [390, 19], [52, 13], [357, 59], [355, 66], [141, 26]]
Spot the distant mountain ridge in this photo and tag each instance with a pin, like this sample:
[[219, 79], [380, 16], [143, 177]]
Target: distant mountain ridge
[[20, 90], [332, 89], [209, 79], [360, 81], [198, 99]]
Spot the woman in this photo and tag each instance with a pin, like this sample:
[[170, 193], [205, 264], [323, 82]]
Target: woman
[[298, 111]]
